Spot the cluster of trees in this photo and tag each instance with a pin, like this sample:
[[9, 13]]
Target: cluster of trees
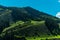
[[53, 26], [4, 19]]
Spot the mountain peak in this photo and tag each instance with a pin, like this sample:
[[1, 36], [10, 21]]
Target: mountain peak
[[28, 7]]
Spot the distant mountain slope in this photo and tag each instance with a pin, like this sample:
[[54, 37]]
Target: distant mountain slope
[[29, 14], [27, 22], [25, 13]]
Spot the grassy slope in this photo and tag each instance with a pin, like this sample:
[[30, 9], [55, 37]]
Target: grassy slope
[[36, 24], [39, 38]]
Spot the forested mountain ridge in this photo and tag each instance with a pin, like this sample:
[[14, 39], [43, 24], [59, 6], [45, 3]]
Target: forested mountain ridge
[[27, 22]]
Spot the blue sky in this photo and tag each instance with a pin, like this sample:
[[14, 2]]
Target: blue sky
[[47, 6]]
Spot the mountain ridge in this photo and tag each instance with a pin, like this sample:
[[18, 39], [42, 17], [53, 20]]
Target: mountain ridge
[[34, 23]]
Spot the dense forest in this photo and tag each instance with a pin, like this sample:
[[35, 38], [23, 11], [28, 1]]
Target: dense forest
[[21, 23]]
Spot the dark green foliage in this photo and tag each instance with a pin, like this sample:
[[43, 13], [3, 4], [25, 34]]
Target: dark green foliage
[[4, 20], [22, 38], [29, 30], [10, 15], [53, 26]]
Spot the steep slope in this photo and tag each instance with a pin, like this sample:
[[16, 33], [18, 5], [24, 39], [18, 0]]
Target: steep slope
[[27, 22], [5, 19], [29, 29], [25, 14], [28, 13]]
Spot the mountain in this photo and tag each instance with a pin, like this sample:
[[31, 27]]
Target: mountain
[[27, 22]]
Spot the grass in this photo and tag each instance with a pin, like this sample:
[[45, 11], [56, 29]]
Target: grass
[[21, 23], [44, 38], [39, 38], [13, 25], [33, 23]]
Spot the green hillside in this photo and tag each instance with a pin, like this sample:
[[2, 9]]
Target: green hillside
[[27, 23], [30, 29]]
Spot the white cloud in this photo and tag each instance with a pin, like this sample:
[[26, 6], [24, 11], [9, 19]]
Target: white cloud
[[58, 15]]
